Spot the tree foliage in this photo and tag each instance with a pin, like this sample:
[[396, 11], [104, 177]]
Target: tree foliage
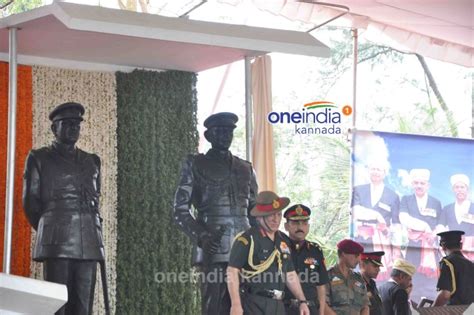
[[18, 6]]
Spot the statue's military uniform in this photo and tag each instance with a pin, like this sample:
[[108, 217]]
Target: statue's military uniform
[[62, 193], [222, 189], [61, 189], [346, 296]]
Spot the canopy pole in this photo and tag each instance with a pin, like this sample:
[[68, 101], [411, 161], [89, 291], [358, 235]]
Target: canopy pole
[[355, 36], [248, 109], [10, 184]]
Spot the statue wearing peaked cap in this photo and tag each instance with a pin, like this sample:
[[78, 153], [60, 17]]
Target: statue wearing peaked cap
[[61, 188], [222, 189]]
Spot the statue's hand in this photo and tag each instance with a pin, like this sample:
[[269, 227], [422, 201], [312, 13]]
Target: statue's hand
[[209, 243]]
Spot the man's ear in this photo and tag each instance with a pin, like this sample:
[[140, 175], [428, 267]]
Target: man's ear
[[286, 226], [53, 128]]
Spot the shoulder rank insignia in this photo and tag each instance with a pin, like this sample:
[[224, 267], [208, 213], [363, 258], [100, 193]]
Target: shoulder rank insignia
[[284, 248]]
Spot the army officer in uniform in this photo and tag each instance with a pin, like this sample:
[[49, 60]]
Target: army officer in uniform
[[346, 291], [308, 261], [61, 189], [262, 256], [370, 263], [456, 280]]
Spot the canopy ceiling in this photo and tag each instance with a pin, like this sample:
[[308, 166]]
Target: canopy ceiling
[[64, 32], [440, 29]]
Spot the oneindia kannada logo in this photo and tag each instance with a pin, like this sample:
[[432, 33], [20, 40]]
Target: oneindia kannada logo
[[321, 117]]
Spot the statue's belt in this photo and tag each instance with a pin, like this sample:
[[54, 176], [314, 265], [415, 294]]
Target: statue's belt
[[67, 204], [233, 212]]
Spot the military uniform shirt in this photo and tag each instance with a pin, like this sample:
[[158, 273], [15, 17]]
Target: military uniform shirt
[[457, 277], [376, 307], [346, 296], [308, 261], [270, 279]]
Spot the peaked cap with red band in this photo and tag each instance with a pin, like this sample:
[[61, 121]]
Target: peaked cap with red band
[[269, 203], [373, 257], [350, 247], [297, 212]]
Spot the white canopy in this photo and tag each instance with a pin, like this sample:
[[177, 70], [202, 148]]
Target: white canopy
[[439, 29], [64, 32]]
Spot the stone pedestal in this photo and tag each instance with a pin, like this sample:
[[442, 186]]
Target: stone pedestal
[[20, 295]]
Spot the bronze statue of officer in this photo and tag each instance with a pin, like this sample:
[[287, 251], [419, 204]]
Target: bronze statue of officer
[[222, 189], [61, 189]]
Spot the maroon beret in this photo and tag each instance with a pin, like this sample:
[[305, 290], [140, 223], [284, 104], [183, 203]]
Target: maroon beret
[[350, 247]]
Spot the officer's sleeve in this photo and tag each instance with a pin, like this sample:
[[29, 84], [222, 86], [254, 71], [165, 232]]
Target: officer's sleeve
[[323, 273], [32, 190], [182, 202], [366, 300], [289, 264], [240, 252], [446, 280]]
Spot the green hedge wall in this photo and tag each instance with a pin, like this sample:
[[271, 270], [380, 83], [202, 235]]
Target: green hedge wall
[[156, 129]]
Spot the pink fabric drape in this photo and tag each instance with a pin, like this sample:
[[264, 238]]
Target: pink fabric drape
[[263, 156]]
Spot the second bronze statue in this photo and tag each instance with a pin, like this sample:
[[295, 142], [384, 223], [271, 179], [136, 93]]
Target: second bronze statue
[[222, 188]]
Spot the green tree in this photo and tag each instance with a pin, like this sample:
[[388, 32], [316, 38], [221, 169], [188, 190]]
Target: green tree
[[18, 6], [378, 56]]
